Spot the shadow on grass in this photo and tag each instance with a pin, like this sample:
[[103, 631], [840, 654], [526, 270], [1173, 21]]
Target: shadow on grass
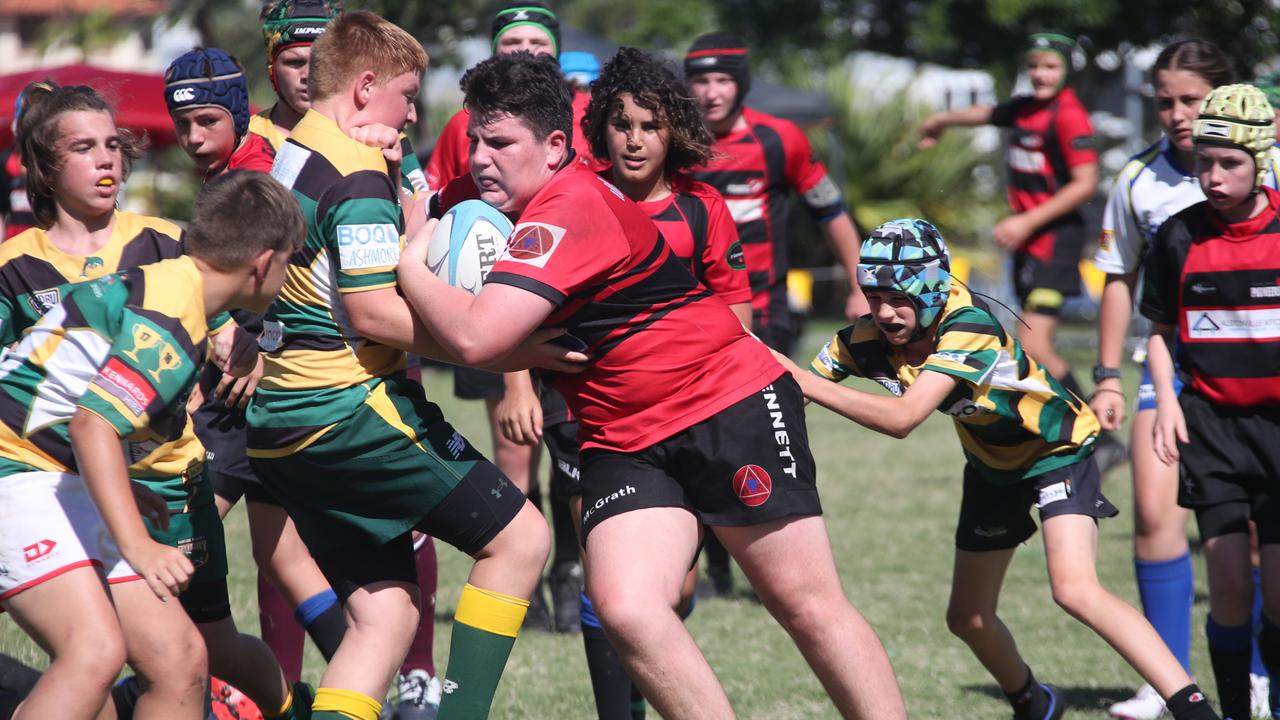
[[1077, 698]]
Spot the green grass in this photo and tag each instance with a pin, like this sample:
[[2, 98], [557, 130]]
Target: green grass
[[891, 509]]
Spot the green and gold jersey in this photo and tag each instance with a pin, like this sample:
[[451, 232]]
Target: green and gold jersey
[[32, 268], [317, 369], [127, 347], [1014, 420]]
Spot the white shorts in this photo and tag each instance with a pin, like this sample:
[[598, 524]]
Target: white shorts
[[49, 525]]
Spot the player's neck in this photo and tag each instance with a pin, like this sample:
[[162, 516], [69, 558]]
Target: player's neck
[[80, 234], [649, 190], [222, 290], [731, 124], [341, 113], [284, 117]]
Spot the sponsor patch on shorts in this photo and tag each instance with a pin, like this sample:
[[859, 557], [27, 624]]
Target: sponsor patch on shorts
[[1056, 492]]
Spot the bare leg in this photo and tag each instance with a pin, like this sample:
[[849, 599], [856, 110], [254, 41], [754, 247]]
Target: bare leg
[[166, 651], [789, 564], [381, 620], [976, 580], [1160, 525], [636, 564], [71, 618], [1037, 340], [1071, 548], [246, 663]]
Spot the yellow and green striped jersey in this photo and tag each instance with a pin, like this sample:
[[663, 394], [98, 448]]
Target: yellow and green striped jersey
[[127, 347], [1014, 419], [412, 177], [317, 369]]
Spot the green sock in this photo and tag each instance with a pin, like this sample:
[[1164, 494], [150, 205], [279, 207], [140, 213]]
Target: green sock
[[484, 631]]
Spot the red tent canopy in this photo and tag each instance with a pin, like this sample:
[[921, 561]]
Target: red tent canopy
[[138, 98]]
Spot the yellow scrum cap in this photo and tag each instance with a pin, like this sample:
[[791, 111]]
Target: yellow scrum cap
[[1238, 116]]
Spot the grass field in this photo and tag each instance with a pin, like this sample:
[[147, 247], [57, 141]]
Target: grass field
[[890, 508]]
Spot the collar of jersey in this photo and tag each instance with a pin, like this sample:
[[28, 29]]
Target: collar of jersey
[[319, 133]]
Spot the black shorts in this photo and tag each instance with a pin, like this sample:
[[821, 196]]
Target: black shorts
[[747, 464], [998, 517], [562, 444], [473, 384], [1041, 285], [1233, 460]]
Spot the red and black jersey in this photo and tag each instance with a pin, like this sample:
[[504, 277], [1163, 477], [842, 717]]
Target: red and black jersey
[[696, 223], [666, 353], [255, 153], [1219, 284], [451, 156], [754, 168], [15, 208], [1049, 138]]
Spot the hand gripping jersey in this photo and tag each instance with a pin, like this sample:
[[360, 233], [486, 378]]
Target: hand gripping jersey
[[1048, 139], [1150, 189], [695, 222], [1219, 285], [666, 353], [126, 347], [451, 158], [317, 369], [753, 169], [1014, 420]]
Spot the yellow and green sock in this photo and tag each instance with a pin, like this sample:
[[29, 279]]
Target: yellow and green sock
[[335, 704], [485, 627]]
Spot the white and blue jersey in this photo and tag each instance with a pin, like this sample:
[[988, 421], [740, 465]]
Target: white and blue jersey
[[1152, 187]]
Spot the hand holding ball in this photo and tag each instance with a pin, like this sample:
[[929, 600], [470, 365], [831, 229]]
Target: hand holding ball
[[466, 244]]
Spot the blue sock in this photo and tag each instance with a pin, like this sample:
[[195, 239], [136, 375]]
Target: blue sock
[[1167, 589], [1257, 668], [587, 616], [314, 606]]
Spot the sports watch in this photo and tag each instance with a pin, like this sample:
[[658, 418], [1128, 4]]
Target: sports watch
[[1101, 373]]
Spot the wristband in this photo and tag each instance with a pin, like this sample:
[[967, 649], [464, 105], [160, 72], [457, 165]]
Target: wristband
[[1101, 373]]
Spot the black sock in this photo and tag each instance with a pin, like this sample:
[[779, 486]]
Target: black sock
[[1269, 647], [717, 555], [327, 629], [609, 680], [1030, 702], [1231, 670], [1190, 704]]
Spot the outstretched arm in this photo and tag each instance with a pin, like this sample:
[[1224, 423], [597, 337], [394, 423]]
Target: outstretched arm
[[933, 126]]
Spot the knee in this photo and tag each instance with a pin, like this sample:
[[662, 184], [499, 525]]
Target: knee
[[967, 623], [95, 663], [525, 543], [176, 662], [805, 614], [1076, 597], [626, 615]]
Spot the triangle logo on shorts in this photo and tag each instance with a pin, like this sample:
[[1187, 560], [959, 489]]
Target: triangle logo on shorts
[[752, 485]]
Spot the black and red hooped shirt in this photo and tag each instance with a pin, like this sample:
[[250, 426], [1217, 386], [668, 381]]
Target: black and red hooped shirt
[[1218, 283], [696, 223], [754, 168], [1048, 139]]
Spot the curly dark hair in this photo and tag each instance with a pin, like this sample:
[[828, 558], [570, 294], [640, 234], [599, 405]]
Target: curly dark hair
[[530, 87], [44, 103], [654, 87]]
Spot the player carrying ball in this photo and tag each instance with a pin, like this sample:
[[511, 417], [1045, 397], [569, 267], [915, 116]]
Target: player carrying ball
[[1026, 441], [685, 418]]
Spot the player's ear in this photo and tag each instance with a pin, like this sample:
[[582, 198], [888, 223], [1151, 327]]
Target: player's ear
[[261, 264], [362, 88], [557, 147]]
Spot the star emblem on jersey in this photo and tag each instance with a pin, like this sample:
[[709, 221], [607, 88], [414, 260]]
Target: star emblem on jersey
[[753, 485]]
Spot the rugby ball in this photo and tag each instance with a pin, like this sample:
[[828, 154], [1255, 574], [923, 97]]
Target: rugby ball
[[466, 244]]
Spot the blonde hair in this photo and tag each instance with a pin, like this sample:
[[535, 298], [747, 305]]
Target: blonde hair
[[357, 42]]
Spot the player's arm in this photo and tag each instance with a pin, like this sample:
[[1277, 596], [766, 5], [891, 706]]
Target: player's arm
[[1014, 230], [893, 416], [742, 311], [1171, 425], [96, 444], [934, 125], [1118, 241], [842, 235]]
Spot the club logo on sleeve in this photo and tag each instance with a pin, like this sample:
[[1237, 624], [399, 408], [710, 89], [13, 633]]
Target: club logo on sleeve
[[533, 243], [736, 257], [753, 485], [126, 385], [150, 349]]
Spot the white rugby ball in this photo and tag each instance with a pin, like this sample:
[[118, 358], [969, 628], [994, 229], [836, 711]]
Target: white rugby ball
[[467, 243]]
